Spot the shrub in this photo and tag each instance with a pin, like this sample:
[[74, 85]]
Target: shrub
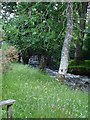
[[8, 56], [83, 68], [12, 54]]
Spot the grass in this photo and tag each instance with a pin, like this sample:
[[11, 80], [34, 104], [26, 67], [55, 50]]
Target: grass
[[40, 96], [0, 80], [83, 68], [84, 63]]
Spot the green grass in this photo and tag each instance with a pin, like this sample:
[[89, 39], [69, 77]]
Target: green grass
[[85, 63], [0, 81], [0, 93], [40, 96], [83, 68]]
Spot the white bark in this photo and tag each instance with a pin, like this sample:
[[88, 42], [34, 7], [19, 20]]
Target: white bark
[[68, 37]]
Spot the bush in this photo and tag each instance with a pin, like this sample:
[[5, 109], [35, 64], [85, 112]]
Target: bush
[[12, 54], [79, 70], [8, 56], [83, 68]]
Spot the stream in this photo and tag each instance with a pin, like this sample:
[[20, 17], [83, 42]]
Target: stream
[[74, 81]]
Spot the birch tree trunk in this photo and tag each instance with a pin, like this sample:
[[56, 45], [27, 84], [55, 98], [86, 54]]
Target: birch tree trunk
[[68, 37]]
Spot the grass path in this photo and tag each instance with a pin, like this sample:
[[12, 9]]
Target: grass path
[[41, 96]]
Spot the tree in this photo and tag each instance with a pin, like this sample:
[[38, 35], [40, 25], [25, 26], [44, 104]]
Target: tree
[[86, 51], [82, 10], [66, 45], [38, 31]]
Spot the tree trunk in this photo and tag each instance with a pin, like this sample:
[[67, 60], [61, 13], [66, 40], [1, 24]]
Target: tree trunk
[[66, 45], [25, 57], [42, 63], [82, 10], [78, 52]]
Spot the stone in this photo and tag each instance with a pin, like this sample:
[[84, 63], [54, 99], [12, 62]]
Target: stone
[[74, 81]]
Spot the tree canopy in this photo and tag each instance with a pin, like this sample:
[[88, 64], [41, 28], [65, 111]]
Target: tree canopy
[[41, 27]]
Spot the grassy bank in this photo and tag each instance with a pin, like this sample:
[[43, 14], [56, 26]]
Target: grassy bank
[[83, 68], [40, 96]]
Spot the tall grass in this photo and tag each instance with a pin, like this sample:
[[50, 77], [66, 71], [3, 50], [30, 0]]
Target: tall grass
[[40, 96]]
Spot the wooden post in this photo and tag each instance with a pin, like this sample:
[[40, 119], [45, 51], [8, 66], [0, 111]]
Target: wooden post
[[9, 111], [9, 104]]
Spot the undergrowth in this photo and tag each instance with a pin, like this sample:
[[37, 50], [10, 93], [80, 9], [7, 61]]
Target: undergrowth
[[38, 95]]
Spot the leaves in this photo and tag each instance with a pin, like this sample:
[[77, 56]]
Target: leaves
[[38, 29]]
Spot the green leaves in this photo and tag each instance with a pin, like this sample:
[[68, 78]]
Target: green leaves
[[39, 29]]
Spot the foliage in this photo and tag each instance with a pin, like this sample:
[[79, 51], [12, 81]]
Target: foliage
[[9, 55], [40, 96], [12, 54], [83, 68], [86, 48], [85, 63], [38, 26]]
